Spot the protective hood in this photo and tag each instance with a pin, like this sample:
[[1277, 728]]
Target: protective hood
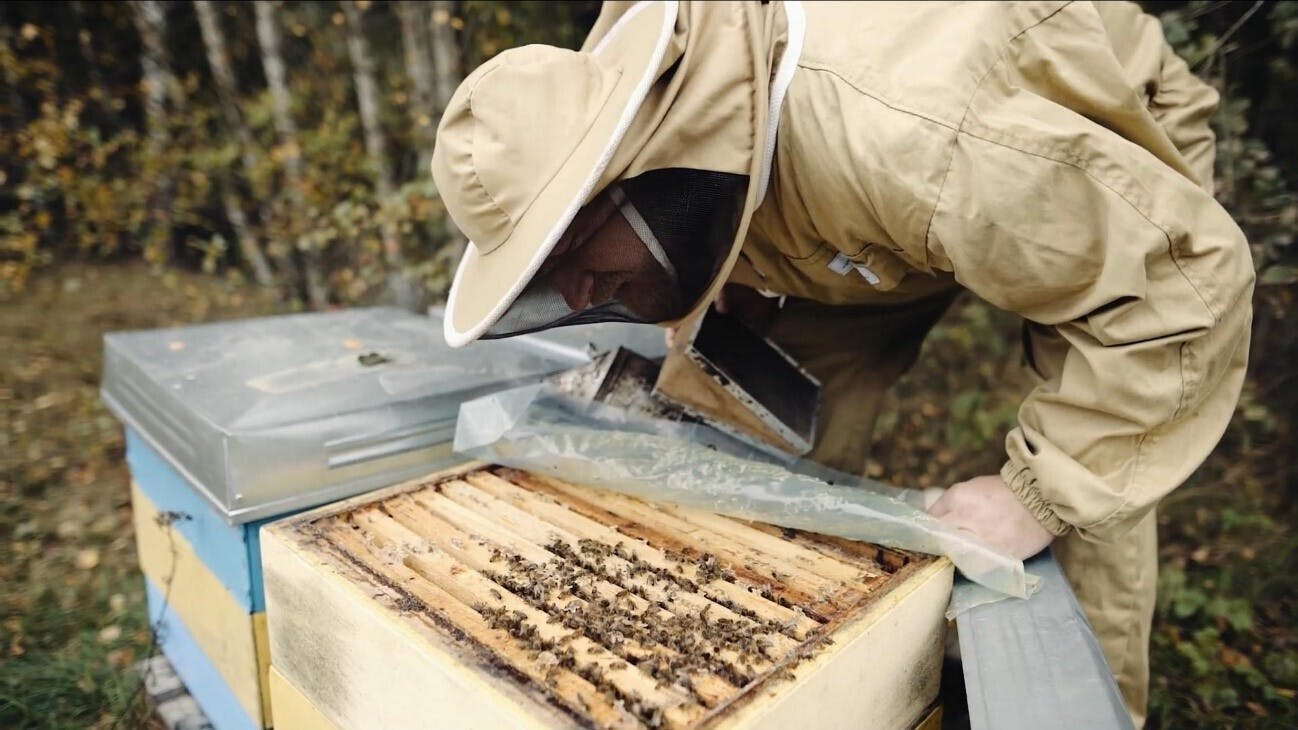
[[672, 204]]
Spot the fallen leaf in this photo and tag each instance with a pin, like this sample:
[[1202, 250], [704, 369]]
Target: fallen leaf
[[68, 528], [49, 400], [87, 559], [120, 658], [1233, 658]]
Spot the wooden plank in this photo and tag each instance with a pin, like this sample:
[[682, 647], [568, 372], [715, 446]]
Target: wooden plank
[[563, 682], [482, 557], [539, 532], [471, 588], [219, 546], [202, 679], [287, 524], [722, 591], [882, 671], [512, 585], [293, 711], [787, 553], [890, 559], [347, 644], [445, 513], [219, 623], [931, 721], [818, 595], [669, 518], [229, 551], [261, 642]]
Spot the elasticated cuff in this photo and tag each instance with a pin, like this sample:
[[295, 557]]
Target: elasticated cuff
[[1023, 483]]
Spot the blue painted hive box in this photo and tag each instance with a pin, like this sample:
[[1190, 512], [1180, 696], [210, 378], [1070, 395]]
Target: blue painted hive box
[[231, 425]]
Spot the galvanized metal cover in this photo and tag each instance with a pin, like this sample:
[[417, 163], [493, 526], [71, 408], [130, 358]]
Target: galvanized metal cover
[[266, 416]]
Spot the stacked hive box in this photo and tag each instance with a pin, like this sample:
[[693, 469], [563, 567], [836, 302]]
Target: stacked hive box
[[489, 597], [232, 425], [203, 582]]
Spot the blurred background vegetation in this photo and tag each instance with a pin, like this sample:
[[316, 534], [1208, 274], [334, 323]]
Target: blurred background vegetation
[[166, 163]]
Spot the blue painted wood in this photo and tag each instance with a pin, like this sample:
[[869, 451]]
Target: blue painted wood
[[201, 678], [231, 552]]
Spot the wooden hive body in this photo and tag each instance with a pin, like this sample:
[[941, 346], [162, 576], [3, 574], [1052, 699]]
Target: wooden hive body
[[203, 584], [487, 597]]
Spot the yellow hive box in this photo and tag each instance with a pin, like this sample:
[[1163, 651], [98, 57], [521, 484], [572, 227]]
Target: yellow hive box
[[214, 638], [488, 597]]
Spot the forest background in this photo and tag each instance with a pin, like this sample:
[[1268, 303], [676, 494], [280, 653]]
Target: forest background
[[165, 163]]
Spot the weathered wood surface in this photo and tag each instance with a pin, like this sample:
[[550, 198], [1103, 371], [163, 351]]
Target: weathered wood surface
[[512, 599]]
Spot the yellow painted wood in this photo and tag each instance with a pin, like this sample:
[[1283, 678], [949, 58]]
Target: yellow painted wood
[[933, 721], [293, 711], [222, 627], [261, 640], [882, 670], [352, 655]]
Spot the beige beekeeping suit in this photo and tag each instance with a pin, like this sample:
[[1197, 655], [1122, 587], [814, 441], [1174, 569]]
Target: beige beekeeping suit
[[1055, 160]]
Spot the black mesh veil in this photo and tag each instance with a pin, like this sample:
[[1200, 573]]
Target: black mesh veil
[[644, 250]]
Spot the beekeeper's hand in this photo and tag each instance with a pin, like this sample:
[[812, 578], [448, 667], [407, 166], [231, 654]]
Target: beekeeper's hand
[[986, 507]]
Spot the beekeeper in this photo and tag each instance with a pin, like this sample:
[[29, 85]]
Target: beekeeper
[[834, 174]]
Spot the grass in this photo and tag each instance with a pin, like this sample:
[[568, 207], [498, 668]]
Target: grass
[[72, 617]]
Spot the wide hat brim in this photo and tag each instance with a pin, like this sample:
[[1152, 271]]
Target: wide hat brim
[[485, 285]]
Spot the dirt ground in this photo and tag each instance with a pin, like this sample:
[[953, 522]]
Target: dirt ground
[[72, 617]]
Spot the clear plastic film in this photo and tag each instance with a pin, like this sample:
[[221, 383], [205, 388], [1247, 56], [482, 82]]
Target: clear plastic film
[[541, 430]]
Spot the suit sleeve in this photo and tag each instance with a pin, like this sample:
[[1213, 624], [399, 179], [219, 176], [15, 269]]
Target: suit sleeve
[[1180, 101], [1142, 281]]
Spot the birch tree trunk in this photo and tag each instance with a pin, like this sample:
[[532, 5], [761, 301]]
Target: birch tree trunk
[[446, 51], [227, 94], [367, 97], [446, 61], [272, 61], [150, 21], [423, 104], [376, 147]]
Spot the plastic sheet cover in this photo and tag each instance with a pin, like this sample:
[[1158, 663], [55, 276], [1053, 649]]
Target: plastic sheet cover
[[541, 430]]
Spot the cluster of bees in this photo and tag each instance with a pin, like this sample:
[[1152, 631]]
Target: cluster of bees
[[674, 648]]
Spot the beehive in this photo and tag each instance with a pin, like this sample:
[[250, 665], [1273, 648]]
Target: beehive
[[230, 425], [489, 597]]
